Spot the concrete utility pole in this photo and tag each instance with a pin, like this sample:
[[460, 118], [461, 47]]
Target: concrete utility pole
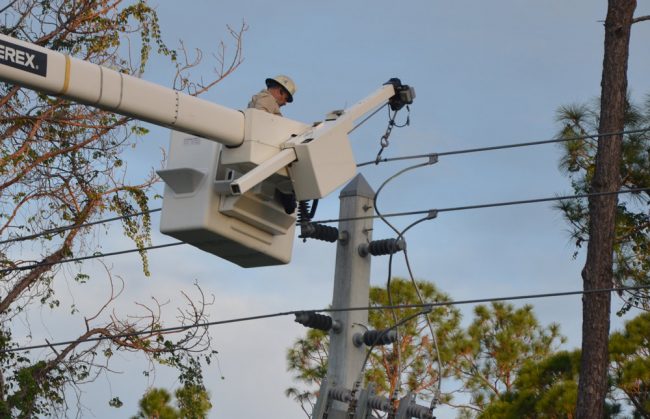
[[351, 288]]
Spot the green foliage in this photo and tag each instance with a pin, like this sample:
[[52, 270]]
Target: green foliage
[[137, 228], [630, 363], [61, 164], [156, 404], [632, 245], [417, 348], [495, 347], [193, 403], [307, 358], [544, 389]]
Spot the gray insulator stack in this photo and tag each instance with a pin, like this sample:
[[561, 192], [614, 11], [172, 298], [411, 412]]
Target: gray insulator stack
[[314, 320], [375, 337], [319, 232], [382, 247]]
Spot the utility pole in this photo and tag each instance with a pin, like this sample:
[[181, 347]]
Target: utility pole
[[351, 288]]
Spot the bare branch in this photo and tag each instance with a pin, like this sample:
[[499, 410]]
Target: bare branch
[[640, 19]]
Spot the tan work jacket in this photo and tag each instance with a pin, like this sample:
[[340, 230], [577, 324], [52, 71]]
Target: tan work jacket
[[265, 101]]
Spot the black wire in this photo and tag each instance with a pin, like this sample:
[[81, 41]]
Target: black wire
[[367, 118], [502, 147], [390, 264], [400, 236], [429, 155], [72, 226], [432, 213], [95, 256], [425, 306]]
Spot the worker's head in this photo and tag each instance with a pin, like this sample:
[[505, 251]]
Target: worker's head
[[282, 88]]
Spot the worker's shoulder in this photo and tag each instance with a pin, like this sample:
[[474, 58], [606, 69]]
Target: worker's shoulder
[[263, 94], [265, 101]]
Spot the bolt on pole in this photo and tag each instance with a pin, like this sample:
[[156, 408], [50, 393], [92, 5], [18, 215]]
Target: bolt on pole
[[351, 288]]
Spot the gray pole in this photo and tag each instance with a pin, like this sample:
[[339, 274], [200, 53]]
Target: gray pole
[[351, 288]]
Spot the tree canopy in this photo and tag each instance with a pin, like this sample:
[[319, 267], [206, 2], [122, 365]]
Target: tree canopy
[[485, 358], [61, 167], [632, 243]]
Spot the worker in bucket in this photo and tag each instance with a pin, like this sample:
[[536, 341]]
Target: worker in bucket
[[279, 91]]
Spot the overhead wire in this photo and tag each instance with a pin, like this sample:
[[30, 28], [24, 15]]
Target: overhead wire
[[384, 160], [61, 229], [423, 306], [82, 258], [400, 236], [503, 146], [433, 212], [430, 214]]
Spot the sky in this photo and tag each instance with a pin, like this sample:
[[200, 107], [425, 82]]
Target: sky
[[485, 73]]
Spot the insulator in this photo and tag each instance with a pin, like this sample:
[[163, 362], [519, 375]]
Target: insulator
[[341, 394], [303, 212], [386, 247], [314, 320], [420, 412], [319, 232], [379, 337], [378, 403]]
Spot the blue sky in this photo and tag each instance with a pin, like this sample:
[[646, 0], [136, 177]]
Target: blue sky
[[485, 73]]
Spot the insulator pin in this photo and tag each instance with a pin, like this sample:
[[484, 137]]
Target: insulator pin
[[382, 247], [375, 337], [319, 232]]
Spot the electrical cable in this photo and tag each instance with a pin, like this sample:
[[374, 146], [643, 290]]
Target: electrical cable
[[82, 258], [433, 212], [425, 306], [504, 146], [400, 236], [72, 226], [367, 118], [429, 155], [396, 344], [437, 394]]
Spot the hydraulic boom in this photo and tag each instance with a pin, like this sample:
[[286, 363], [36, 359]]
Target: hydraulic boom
[[224, 200]]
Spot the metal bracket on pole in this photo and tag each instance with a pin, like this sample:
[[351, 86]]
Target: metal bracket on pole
[[322, 403], [363, 410], [404, 404]]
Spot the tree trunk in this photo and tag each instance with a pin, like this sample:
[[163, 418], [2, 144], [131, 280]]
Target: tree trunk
[[597, 272]]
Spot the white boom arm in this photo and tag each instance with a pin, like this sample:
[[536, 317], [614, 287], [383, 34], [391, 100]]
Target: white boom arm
[[225, 200], [58, 74]]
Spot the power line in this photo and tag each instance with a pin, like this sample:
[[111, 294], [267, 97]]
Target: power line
[[58, 230], [411, 157], [502, 147], [82, 258], [423, 306], [432, 213]]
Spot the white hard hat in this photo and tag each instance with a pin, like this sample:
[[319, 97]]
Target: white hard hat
[[284, 82]]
